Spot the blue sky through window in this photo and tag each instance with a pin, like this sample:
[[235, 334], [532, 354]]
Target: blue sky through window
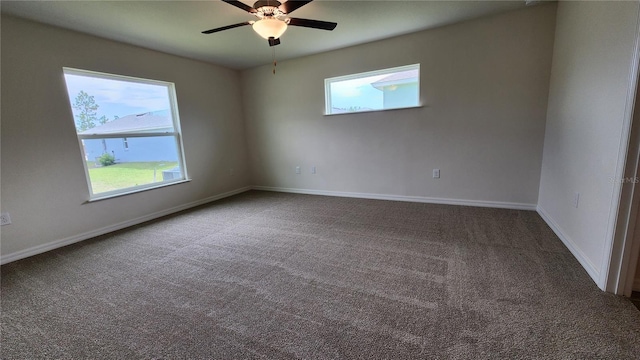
[[357, 93], [118, 97]]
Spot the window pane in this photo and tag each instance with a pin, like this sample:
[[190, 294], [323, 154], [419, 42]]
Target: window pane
[[377, 90], [99, 104], [149, 160], [121, 122]]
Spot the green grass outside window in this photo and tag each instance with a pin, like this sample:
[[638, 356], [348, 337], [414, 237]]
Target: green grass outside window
[[125, 175]]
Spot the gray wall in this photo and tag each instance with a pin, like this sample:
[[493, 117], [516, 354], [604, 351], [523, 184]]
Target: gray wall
[[484, 87], [43, 181], [587, 129]]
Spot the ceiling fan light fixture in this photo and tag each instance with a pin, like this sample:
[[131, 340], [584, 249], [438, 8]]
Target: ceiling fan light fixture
[[270, 27]]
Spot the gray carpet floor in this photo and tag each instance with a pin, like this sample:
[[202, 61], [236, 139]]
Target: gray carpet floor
[[282, 276]]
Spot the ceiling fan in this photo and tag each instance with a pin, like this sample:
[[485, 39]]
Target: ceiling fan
[[272, 21]]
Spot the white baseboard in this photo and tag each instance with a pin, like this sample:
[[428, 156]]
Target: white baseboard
[[571, 245], [107, 229], [421, 199]]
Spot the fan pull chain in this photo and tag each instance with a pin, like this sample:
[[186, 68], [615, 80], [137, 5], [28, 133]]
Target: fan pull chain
[[274, 60]]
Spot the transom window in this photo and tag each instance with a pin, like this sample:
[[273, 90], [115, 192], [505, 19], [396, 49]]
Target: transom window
[[128, 130], [392, 88]]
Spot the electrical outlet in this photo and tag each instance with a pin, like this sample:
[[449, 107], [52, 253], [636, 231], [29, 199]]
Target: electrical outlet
[[313, 169], [5, 219], [298, 170], [576, 199], [436, 173]]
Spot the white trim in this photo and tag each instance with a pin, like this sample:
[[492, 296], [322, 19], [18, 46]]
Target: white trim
[[125, 134], [612, 262], [420, 199], [571, 245], [136, 189], [375, 111], [107, 229]]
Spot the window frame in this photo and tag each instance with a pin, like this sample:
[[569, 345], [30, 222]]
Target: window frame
[[176, 134], [328, 81]]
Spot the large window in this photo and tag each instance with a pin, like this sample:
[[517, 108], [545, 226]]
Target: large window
[[393, 88], [128, 130]]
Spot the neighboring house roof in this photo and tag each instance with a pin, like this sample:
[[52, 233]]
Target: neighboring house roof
[[403, 77], [148, 122]]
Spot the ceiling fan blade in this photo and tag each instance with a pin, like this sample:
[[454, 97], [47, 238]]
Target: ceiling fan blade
[[316, 24], [241, 5], [226, 27], [292, 5], [273, 42]]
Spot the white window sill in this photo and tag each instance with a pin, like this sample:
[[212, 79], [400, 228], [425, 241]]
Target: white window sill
[[374, 111], [134, 190]]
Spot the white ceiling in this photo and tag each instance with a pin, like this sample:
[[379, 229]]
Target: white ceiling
[[175, 26]]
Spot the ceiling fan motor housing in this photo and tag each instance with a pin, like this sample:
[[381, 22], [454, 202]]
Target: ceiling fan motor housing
[[266, 3]]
